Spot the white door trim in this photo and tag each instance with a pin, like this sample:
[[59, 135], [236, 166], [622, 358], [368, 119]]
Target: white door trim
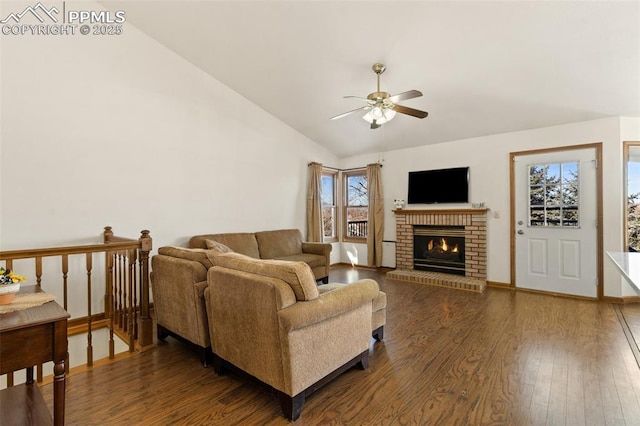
[[512, 213]]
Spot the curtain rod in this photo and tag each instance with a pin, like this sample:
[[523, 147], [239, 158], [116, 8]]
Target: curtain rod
[[342, 170]]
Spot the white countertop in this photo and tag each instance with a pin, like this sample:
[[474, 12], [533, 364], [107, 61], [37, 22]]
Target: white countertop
[[629, 264]]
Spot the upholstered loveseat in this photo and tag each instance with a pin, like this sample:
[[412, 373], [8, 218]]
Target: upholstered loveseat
[[267, 318], [282, 244]]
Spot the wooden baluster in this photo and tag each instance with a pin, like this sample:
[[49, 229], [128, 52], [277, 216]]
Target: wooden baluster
[[108, 278], [131, 308], [89, 259], [116, 288], [39, 271], [121, 284], [145, 337], [126, 293], [134, 286], [65, 273], [108, 297], [109, 300], [116, 291]]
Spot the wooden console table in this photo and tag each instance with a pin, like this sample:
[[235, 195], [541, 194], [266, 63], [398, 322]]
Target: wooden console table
[[30, 337]]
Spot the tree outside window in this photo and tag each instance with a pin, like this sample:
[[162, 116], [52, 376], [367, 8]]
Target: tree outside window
[[328, 198], [356, 209], [554, 194]]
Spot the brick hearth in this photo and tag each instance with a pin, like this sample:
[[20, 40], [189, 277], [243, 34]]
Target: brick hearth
[[475, 233]]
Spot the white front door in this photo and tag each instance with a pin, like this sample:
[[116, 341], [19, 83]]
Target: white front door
[[556, 222]]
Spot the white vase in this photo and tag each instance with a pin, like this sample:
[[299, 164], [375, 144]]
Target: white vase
[[8, 292]]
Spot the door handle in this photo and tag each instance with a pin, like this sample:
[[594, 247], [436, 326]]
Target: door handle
[[520, 232]]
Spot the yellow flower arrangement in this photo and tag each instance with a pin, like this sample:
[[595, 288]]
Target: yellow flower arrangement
[[7, 277]]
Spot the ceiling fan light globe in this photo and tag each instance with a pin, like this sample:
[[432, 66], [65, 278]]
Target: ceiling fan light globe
[[388, 114], [381, 116]]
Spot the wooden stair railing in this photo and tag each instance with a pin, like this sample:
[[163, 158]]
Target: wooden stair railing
[[126, 301]]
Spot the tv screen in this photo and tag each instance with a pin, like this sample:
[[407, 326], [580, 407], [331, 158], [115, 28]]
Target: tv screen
[[439, 186]]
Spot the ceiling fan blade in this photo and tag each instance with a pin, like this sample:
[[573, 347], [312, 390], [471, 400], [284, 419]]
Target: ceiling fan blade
[[410, 111], [356, 97], [350, 112], [405, 95]]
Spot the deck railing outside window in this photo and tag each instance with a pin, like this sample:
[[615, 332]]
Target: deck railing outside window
[[357, 228]]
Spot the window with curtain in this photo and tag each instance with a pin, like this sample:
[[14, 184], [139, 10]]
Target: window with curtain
[[356, 205], [328, 196]]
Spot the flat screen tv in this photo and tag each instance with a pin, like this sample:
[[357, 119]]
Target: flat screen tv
[[439, 186]]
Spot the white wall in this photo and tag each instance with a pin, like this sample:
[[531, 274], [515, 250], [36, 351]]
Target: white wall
[[488, 159], [120, 131]]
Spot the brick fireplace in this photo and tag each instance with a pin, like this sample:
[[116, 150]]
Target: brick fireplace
[[472, 226]]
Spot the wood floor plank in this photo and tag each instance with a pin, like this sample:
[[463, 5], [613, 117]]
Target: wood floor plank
[[448, 357], [575, 395]]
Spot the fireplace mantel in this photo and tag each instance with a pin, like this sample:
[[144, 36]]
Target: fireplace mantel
[[442, 211]]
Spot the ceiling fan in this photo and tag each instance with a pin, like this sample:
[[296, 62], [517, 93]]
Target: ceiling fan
[[381, 106]]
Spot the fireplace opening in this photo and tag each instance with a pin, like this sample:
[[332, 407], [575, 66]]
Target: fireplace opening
[[439, 249]]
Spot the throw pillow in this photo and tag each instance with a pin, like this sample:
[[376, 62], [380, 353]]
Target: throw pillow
[[217, 247]]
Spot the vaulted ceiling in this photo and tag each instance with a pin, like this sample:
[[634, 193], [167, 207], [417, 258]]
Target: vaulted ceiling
[[483, 67]]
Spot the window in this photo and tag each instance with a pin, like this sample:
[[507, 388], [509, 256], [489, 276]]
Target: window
[[554, 194], [632, 196], [328, 197], [356, 208]]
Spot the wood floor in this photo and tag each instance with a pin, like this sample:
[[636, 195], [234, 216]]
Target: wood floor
[[448, 358]]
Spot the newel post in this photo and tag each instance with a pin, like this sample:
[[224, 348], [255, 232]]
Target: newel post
[[107, 235], [145, 330]]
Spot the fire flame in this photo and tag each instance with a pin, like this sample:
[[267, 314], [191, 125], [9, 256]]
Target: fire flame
[[443, 246]]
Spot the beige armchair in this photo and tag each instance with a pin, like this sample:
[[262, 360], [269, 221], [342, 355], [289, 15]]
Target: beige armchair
[[178, 281], [267, 318]]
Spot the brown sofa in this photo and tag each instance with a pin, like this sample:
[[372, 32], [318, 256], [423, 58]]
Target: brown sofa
[[282, 244], [267, 318]]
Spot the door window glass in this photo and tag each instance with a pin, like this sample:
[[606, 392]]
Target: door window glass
[[554, 194]]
